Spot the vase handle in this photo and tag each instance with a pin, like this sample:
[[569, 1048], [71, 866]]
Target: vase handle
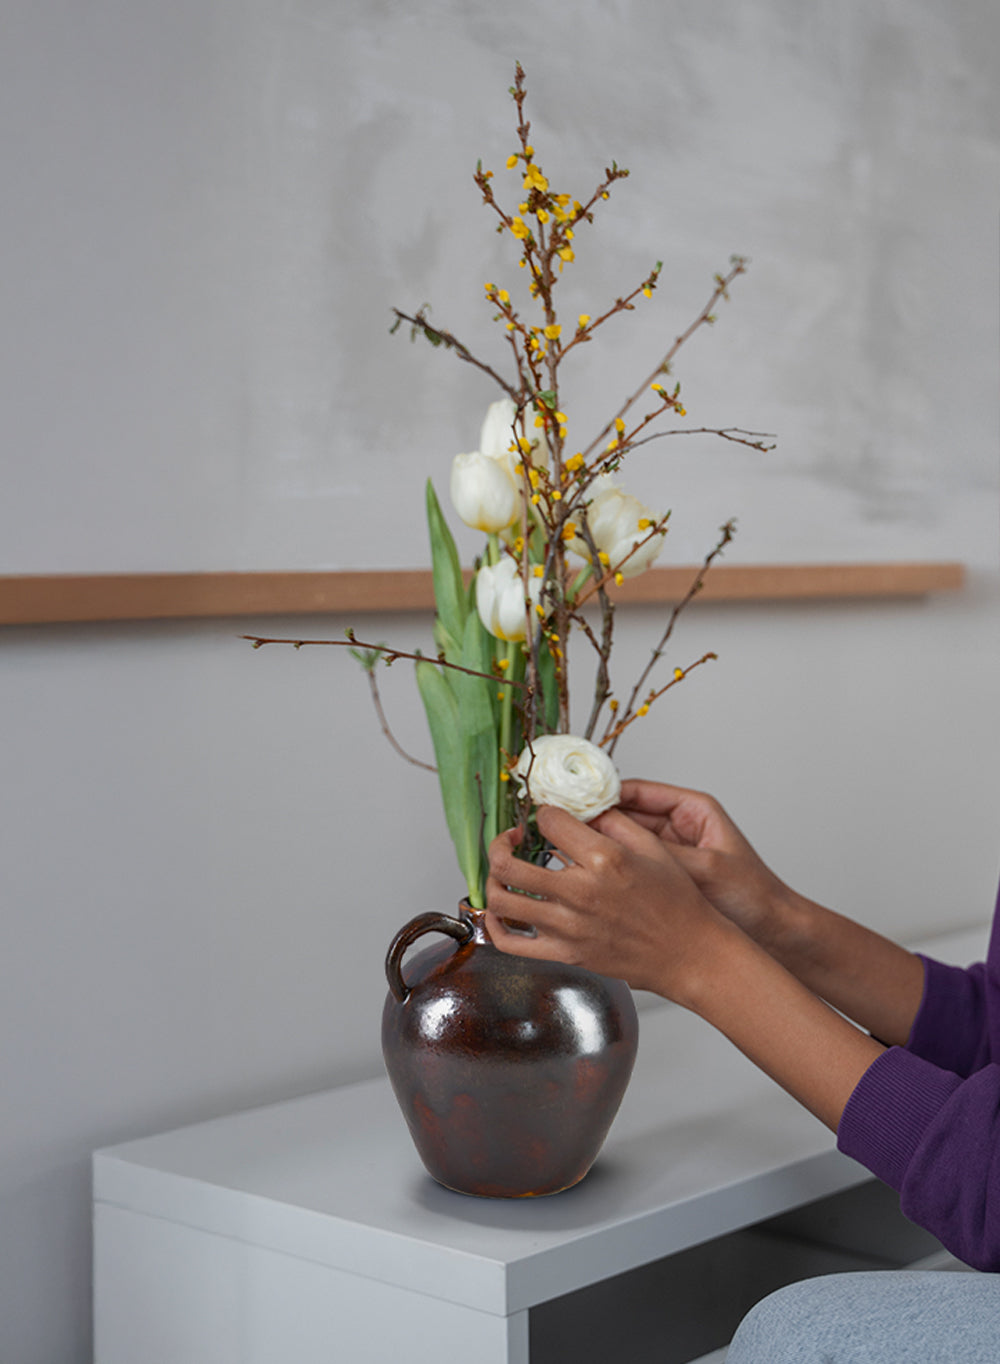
[[408, 934]]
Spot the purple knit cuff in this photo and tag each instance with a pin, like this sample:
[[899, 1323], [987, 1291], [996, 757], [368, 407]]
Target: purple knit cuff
[[886, 1117], [949, 1027]]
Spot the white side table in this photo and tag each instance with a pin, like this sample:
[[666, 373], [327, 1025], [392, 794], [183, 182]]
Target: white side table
[[307, 1232]]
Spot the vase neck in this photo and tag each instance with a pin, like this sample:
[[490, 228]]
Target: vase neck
[[475, 917]]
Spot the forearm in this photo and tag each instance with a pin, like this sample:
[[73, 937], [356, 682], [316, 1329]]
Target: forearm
[[778, 1023], [869, 978]]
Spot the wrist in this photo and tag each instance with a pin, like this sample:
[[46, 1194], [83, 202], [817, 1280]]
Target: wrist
[[788, 925], [713, 968]]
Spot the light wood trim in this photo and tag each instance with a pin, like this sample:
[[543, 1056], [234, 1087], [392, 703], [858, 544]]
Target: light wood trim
[[58, 598]]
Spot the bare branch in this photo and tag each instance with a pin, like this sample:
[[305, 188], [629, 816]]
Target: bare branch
[[391, 655], [615, 732], [439, 337], [379, 711], [705, 317], [756, 440], [726, 535]]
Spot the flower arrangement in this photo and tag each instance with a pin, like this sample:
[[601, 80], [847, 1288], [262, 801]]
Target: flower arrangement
[[561, 533]]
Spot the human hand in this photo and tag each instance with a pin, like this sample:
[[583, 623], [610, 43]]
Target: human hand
[[713, 851], [621, 904]]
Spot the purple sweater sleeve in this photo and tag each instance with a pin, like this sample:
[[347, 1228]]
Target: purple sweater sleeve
[[926, 1118], [950, 1028]]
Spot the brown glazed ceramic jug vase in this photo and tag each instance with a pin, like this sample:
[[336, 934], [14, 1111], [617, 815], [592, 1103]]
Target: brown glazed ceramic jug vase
[[509, 1071]]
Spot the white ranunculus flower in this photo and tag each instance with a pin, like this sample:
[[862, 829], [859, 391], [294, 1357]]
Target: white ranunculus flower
[[614, 518], [500, 599], [572, 773], [483, 492]]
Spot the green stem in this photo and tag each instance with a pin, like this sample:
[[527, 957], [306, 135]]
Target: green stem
[[514, 673], [506, 719], [585, 573]]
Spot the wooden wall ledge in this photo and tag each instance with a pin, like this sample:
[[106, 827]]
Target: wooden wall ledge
[[33, 600]]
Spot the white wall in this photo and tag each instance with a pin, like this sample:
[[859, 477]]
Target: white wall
[[214, 204], [206, 849]]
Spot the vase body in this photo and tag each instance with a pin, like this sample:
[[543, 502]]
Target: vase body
[[509, 1071]]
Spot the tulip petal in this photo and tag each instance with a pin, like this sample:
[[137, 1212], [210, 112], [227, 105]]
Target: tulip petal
[[483, 492], [497, 433]]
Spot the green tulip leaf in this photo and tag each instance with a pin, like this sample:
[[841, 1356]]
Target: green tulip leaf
[[446, 642], [449, 589], [548, 710], [454, 764], [479, 712]]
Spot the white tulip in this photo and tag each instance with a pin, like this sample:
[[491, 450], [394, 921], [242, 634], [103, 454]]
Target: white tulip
[[498, 435], [574, 774], [614, 517], [483, 492], [500, 599]]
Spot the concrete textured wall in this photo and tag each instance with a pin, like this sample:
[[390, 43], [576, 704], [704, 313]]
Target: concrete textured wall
[[208, 210]]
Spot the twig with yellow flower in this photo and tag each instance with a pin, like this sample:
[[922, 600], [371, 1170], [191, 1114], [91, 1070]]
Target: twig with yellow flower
[[559, 530]]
